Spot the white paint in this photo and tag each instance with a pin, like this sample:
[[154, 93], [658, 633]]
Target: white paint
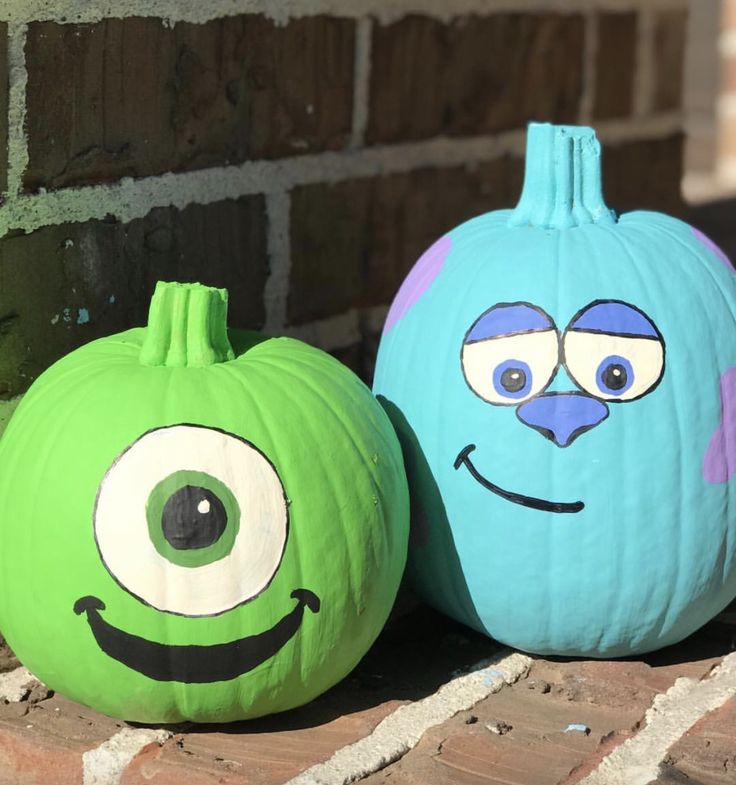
[[105, 764], [121, 526], [129, 199], [637, 760], [17, 81], [401, 731], [16, 684], [196, 11], [203, 507], [361, 81], [276, 291]]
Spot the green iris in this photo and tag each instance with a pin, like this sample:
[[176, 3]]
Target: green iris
[[193, 518]]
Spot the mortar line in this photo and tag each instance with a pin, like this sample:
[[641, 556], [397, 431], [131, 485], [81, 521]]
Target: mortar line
[[198, 12], [361, 81], [644, 66], [400, 731], [637, 760], [590, 66], [106, 764], [128, 199], [276, 291], [17, 83]]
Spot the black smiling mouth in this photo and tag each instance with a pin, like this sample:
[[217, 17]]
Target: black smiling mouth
[[194, 664], [517, 498]]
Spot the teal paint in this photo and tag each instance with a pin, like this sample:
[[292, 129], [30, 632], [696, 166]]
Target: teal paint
[[82, 316], [651, 554]]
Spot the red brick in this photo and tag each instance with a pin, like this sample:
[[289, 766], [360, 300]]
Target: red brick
[[615, 65], [62, 286], [353, 242], [610, 698], [474, 75], [131, 97], [43, 744], [645, 175], [670, 29], [707, 752]]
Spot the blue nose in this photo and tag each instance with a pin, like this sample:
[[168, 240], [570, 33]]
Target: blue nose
[[562, 417]]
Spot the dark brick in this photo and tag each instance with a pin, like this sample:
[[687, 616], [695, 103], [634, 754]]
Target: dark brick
[[475, 75], [645, 175], [131, 97], [65, 285], [670, 30], [353, 242], [615, 65]]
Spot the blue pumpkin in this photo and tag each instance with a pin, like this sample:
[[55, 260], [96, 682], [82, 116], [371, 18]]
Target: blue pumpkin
[[563, 381]]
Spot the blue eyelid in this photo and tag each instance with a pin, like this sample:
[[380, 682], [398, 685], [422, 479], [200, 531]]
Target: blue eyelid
[[616, 318], [509, 319]]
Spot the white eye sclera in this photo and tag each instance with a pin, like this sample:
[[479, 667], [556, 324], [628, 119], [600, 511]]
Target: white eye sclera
[[191, 520], [613, 367], [510, 369]]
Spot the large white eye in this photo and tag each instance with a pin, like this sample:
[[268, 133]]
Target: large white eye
[[191, 520], [614, 351], [510, 353]]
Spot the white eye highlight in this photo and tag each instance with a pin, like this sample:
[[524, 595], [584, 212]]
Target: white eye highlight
[[191, 520], [613, 367], [510, 369]]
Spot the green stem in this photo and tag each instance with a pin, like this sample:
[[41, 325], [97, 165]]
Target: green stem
[[562, 179], [187, 326]]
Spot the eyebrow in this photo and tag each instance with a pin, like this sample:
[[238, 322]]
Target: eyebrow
[[511, 319], [615, 318]]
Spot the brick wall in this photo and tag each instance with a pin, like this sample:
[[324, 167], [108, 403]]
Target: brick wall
[[301, 153]]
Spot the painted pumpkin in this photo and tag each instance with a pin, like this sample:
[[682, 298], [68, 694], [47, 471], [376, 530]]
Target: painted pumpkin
[[216, 524], [563, 381]]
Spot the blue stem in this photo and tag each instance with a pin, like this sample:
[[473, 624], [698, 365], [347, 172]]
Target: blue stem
[[562, 179]]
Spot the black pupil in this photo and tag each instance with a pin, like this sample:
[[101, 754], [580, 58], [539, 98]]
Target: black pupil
[[513, 380], [615, 376], [193, 517]]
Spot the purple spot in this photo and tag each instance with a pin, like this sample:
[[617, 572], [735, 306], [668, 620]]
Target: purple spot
[[719, 463], [418, 281], [712, 247]]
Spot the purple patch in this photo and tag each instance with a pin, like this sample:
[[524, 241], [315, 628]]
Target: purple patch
[[712, 247], [418, 281], [719, 463]]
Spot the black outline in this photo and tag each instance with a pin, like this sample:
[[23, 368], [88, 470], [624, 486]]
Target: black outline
[[195, 664], [206, 428], [660, 338], [517, 498], [552, 327], [548, 434]]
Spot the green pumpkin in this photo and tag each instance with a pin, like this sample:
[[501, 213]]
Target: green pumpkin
[[196, 524]]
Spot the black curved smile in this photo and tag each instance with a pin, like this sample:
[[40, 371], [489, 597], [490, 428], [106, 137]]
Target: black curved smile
[[517, 498], [194, 664]]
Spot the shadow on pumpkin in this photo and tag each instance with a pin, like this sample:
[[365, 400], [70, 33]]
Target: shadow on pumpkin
[[419, 649]]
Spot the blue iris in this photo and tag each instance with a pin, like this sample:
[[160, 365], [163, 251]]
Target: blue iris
[[614, 375], [512, 379]]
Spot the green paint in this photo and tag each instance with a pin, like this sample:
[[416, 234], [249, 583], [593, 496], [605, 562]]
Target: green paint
[[187, 326], [196, 557], [336, 456]]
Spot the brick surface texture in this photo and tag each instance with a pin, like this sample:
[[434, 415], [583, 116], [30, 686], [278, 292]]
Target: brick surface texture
[[133, 97], [615, 65], [670, 30], [65, 285], [353, 242], [477, 75]]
